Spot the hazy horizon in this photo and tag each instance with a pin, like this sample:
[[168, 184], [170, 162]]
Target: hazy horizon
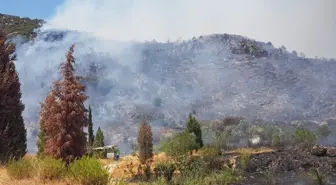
[[306, 26]]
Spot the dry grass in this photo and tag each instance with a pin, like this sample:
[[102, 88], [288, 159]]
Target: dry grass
[[119, 171], [6, 180], [244, 151]]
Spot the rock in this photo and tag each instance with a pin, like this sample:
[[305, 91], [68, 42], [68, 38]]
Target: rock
[[319, 150], [331, 152]]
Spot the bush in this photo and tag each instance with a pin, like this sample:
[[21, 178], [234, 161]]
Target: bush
[[305, 136], [51, 169], [323, 130], [225, 177], [21, 169], [88, 171], [180, 145], [165, 170]]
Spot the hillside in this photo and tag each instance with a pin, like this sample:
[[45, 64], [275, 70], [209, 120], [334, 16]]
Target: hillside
[[212, 75], [14, 25]]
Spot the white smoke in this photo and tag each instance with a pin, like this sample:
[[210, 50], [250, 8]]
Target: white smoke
[[304, 25], [126, 83]]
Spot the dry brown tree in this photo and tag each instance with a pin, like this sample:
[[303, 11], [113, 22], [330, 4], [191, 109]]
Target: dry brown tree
[[12, 129], [145, 142], [64, 116]]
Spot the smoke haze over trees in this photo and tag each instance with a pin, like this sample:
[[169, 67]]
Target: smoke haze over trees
[[214, 75]]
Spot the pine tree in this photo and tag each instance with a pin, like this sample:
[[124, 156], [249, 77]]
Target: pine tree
[[90, 128], [99, 142], [12, 130], [145, 142], [99, 139], [194, 127], [64, 115]]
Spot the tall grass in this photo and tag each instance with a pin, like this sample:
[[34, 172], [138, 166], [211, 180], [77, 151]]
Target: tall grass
[[51, 169], [21, 169]]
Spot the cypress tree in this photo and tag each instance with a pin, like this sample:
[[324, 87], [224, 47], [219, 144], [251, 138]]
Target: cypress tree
[[64, 115], [193, 126], [90, 128], [145, 142], [12, 130]]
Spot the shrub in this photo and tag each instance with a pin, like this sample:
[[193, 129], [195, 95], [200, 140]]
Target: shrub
[[305, 136], [211, 151], [323, 130], [244, 159], [51, 169], [180, 144], [225, 177], [88, 171], [213, 163], [165, 170], [317, 177], [192, 166], [20, 169], [159, 181]]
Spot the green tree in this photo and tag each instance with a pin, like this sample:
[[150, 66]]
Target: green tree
[[40, 144], [12, 129], [90, 128], [99, 142], [324, 130], [193, 126], [145, 142], [99, 139]]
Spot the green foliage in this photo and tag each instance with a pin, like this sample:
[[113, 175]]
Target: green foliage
[[225, 177], [51, 169], [21, 169], [40, 144], [180, 144], [13, 133], [303, 135], [244, 159], [14, 25], [99, 142], [88, 171], [317, 177], [276, 141], [222, 139], [165, 170], [323, 130], [90, 128], [193, 126]]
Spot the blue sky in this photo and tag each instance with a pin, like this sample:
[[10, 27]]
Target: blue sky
[[41, 9]]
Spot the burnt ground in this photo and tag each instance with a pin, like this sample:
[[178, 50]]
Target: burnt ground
[[288, 166]]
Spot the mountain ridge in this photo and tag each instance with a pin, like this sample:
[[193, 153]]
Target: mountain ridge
[[213, 75]]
